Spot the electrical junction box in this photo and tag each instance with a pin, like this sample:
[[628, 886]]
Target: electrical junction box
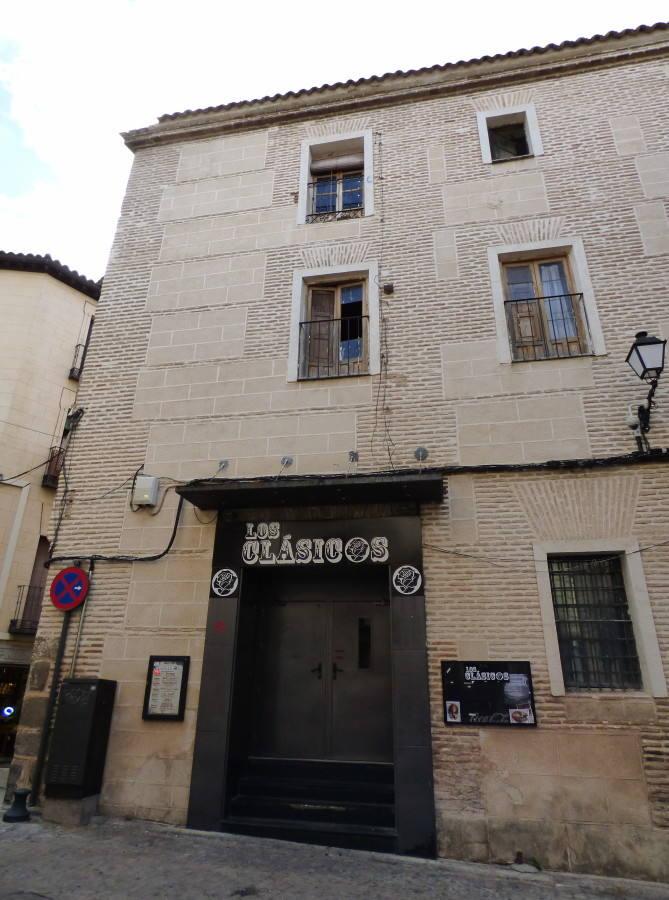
[[146, 490]]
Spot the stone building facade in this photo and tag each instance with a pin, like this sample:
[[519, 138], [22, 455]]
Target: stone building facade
[[487, 237], [46, 311]]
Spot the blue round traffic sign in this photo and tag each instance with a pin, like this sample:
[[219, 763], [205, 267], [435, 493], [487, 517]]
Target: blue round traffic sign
[[69, 588]]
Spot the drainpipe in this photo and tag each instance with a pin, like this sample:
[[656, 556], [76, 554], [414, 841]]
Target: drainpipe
[[46, 727]]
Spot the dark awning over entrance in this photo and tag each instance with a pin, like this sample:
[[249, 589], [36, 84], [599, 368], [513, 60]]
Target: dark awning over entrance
[[413, 485]]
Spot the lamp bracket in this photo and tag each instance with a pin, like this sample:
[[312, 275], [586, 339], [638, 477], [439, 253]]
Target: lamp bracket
[[644, 409]]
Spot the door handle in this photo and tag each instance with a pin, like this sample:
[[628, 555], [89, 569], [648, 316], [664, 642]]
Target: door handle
[[318, 670], [335, 670]]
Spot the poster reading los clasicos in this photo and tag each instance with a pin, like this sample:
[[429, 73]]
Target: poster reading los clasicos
[[488, 693]]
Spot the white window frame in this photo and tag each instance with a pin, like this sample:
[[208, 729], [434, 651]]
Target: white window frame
[[638, 602], [368, 169], [303, 279], [532, 132], [573, 249]]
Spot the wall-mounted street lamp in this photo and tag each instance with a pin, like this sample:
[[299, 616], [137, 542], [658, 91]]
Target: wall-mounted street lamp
[[646, 359]]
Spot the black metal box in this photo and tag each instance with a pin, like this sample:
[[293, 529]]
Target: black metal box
[[78, 746]]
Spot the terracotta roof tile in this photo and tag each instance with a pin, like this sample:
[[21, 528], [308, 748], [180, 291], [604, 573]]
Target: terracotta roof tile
[[583, 41], [34, 262]]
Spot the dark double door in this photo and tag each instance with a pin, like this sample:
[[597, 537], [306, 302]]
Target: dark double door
[[320, 685]]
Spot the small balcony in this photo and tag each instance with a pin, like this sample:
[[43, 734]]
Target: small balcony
[[54, 467], [334, 348], [28, 609], [551, 327]]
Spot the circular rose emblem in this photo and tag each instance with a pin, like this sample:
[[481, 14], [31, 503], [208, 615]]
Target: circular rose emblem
[[356, 550], [224, 582], [407, 580]]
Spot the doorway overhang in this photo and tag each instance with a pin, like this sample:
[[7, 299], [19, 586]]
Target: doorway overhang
[[415, 485]]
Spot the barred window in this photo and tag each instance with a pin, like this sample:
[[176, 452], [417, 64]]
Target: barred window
[[594, 628]]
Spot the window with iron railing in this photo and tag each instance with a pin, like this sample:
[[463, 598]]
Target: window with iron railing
[[336, 195], [53, 467], [80, 352], [28, 609], [594, 628], [545, 317], [334, 339]]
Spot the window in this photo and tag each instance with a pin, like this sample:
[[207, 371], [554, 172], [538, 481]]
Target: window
[[594, 628], [336, 178], [334, 322], [80, 352], [522, 320], [563, 598], [511, 134], [334, 338], [336, 195], [545, 317], [508, 140]]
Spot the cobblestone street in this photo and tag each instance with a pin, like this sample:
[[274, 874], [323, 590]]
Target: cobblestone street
[[114, 859]]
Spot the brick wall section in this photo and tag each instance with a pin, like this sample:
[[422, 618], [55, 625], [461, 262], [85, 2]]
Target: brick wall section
[[209, 262]]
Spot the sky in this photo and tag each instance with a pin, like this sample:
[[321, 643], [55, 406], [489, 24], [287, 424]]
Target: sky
[[75, 73]]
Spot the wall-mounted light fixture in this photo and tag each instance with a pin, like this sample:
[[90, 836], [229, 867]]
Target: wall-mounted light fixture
[[646, 359]]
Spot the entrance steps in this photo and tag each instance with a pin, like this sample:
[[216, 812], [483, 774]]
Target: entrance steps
[[339, 804]]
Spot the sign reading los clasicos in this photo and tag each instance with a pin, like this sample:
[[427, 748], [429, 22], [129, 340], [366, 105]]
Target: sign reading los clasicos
[[265, 545], [392, 541]]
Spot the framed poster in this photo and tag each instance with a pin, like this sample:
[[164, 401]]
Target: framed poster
[[488, 693], [166, 682]]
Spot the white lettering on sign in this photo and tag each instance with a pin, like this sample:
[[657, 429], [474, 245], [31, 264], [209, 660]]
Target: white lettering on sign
[[472, 673], [265, 546]]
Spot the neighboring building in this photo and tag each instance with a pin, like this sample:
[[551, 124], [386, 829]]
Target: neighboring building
[[46, 311], [303, 291]]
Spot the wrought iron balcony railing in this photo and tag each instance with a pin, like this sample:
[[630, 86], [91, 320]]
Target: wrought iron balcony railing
[[338, 197], [54, 467], [547, 327], [28, 609], [332, 348], [77, 362], [80, 352]]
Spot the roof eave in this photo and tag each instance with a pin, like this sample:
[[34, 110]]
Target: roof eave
[[46, 265], [472, 76]]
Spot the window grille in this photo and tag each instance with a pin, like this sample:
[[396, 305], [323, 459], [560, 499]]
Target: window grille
[[594, 627]]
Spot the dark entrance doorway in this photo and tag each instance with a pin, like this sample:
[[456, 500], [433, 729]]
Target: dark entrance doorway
[[321, 676], [289, 752], [312, 716], [12, 688]]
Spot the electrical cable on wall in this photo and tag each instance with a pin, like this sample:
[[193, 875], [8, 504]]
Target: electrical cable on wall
[[122, 557], [382, 386], [26, 471]]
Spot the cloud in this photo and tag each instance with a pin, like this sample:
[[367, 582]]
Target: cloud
[[78, 73]]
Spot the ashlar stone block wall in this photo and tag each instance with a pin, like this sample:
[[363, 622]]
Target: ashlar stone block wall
[[198, 295]]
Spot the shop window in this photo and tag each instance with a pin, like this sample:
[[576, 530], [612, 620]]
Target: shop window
[[12, 688], [594, 628], [511, 134], [336, 178], [545, 315]]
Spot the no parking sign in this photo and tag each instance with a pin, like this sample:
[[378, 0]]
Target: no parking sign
[[69, 588]]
